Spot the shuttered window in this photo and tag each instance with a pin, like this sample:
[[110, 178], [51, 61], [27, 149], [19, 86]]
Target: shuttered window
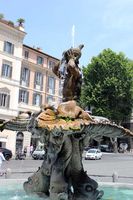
[[50, 99], [8, 47], [38, 81], [25, 76], [51, 85], [6, 69], [23, 96], [39, 60], [51, 64], [37, 99], [4, 100], [26, 54]]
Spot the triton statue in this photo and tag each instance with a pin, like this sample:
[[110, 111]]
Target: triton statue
[[71, 73], [65, 131]]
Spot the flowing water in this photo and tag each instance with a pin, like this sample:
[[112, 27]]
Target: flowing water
[[15, 192]]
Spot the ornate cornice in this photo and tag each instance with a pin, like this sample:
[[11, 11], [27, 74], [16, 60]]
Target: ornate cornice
[[11, 32]]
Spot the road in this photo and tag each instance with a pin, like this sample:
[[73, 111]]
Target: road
[[110, 163]]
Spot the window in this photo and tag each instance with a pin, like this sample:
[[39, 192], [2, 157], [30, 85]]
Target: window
[[23, 96], [51, 85], [6, 69], [59, 101], [26, 54], [8, 47], [25, 76], [37, 99], [60, 87], [4, 100], [4, 97], [50, 99], [51, 64], [39, 60], [38, 81]]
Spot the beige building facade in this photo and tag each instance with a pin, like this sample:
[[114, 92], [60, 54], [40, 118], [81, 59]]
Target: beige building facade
[[26, 82], [38, 84], [11, 43]]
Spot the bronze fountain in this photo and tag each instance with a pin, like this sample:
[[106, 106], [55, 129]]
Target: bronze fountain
[[65, 131]]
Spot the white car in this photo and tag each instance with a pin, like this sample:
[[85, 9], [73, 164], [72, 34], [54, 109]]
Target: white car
[[93, 154]]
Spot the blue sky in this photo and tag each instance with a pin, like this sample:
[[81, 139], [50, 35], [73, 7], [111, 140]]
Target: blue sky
[[99, 24]]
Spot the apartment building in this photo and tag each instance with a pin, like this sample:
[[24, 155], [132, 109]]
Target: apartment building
[[11, 46], [38, 84], [26, 82]]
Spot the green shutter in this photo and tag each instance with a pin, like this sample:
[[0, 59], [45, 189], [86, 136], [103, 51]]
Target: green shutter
[[10, 72], [28, 78], [3, 69], [27, 97], [8, 101], [12, 49], [33, 100]]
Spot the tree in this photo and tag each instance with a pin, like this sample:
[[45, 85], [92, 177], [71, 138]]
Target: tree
[[130, 69], [1, 16], [107, 86], [21, 21]]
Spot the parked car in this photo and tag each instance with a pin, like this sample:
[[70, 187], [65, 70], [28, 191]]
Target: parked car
[[105, 148], [86, 149], [90, 147], [7, 153], [93, 154], [38, 154]]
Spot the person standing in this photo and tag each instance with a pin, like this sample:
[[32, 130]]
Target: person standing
[[2, 158], [31, 149], [25, 151]]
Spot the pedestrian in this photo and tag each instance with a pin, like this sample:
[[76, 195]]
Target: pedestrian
[[2, 158], [25, 151], [31, 149]]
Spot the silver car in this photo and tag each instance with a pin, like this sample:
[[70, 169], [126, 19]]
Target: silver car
[[38, 154]]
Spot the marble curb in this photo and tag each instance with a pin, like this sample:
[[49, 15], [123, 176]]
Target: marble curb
[[104, 184], [118, 185], [11, 181]]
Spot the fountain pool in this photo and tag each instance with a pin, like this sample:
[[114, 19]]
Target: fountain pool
[[13, 190]]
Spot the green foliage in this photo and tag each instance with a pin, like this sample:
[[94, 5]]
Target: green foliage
[[108, 85], [11, 23], [130, 71], [1, 16], [21, 21]]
